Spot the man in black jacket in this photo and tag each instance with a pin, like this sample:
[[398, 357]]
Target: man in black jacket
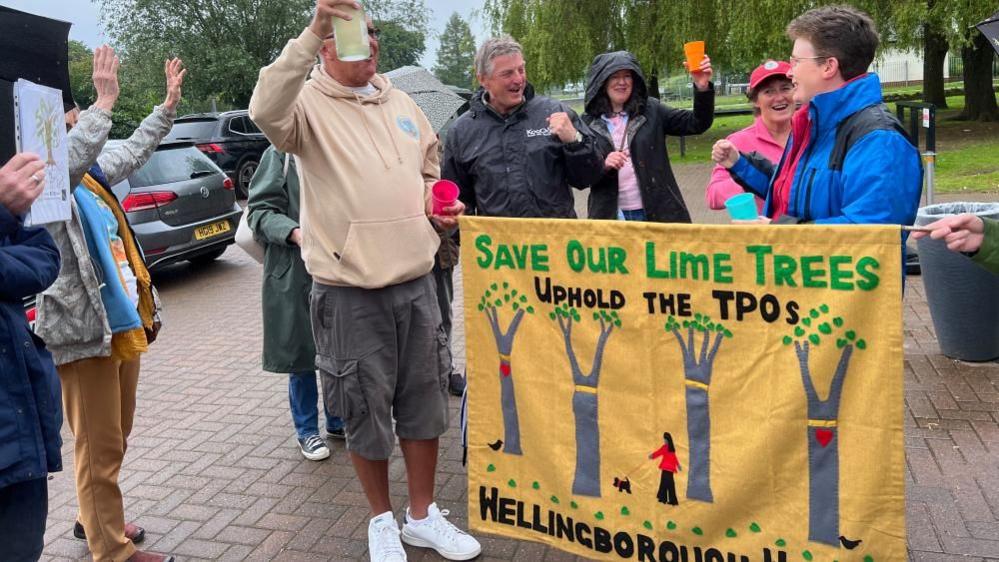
[[515, 154]]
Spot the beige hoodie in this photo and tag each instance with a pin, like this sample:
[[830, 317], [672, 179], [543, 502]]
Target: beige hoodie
[[366, 165]]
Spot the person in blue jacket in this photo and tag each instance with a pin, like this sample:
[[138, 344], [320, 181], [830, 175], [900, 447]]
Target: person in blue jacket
[[848, 160], [30, 395]]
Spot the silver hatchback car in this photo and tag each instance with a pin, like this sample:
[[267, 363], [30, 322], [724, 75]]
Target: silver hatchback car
[[180, 205]]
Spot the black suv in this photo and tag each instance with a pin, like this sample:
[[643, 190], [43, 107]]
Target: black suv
[[230, 139]]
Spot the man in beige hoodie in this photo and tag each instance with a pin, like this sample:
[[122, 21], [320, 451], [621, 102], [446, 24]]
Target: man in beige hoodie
[[366, 158]]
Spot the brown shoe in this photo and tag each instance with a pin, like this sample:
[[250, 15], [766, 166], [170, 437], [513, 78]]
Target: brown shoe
[[142, 556], [133, 532]]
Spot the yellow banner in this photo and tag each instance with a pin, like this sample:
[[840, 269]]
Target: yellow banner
[[686, 393]]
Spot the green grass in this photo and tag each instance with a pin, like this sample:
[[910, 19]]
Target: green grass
[[974, 168]]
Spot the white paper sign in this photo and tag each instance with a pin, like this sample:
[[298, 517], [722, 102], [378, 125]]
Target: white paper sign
[[41, 129]]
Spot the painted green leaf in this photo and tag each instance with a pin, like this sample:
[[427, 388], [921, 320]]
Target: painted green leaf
[[614, 314], [787, 340], [851, 335], [625, 510], [490, 468], [727, 333], [488, 293], [825, 328], [536, 485], [523, 298], [494, 286], [719, 328], [838, 322], [671, 525], [814, 338], [647, 525], [799, 332], [596, 316], [506, 298], [698, 316], [554, 500], [711, 326], [813, 313], [530, 310], [617, 323], [686, 323], [781, 543], [499, 302], [840, 343], [861, 345], [481, 308], [551, 315], [573, 504], [730, 533], [516, 306], [513, 293], [754, 527], [807, 322], [868, 558], [806, 555], [599, 515], [512, 483], [824, 308], [671, 318], [506, 285], [697, 531]]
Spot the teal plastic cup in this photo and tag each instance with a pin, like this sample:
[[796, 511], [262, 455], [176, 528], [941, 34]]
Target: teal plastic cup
[[742, 207]]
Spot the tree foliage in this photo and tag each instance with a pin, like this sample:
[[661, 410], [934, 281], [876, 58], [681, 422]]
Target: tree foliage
[[815, 329], [399, 46], [497, 296], [456, 54]]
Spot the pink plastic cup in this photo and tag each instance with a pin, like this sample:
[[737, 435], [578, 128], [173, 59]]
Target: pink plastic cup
[[445, 193]]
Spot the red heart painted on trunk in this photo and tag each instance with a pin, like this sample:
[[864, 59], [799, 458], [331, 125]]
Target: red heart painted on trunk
[[505, 369], [823, 436]]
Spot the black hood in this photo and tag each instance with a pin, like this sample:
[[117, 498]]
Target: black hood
[[604, 66]]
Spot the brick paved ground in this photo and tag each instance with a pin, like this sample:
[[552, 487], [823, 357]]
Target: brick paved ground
[[212, 471]]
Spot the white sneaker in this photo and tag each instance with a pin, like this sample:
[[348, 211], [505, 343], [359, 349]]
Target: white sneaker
[[438, 533], [314, 448], [383, 539]]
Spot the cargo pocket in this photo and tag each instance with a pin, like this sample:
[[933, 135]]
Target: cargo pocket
[[444, 359], [342, 390]]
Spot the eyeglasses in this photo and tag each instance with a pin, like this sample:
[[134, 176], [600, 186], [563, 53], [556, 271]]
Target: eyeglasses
[[795, 60], [373, 32]]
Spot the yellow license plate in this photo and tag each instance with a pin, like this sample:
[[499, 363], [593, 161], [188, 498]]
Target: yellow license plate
[[210, 230]]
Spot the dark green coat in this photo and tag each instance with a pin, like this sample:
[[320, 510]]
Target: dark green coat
[[274, 204]]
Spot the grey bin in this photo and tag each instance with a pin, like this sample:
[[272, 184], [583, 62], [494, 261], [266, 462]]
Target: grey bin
[[963, 298]]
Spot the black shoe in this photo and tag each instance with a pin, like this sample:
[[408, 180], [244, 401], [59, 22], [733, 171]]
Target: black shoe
[[134, 533], [338, 433], [456, 384]]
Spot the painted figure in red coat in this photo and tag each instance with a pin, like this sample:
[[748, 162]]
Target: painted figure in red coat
[[669, 465]]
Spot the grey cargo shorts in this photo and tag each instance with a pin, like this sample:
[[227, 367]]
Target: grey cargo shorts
[[382, 353]]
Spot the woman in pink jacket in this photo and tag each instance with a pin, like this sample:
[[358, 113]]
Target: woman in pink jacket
[[770, 93]]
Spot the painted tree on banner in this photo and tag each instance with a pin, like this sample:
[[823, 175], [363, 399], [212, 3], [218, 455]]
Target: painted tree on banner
[[698, 364], [495, 298], [585, 399], [822, 430]]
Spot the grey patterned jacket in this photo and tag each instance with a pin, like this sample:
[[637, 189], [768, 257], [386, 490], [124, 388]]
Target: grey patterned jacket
[[71, 317]]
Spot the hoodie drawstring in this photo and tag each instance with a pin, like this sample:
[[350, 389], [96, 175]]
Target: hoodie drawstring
[[364, 119], [388, 128]]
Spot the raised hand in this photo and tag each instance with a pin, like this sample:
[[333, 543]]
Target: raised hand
[[561, 126], [174, 79], [105, 77], [322, 22], [725, 153], [22, 180], [702, 74]]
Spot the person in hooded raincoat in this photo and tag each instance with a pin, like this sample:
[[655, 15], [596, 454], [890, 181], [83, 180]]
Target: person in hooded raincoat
[[631, 128]]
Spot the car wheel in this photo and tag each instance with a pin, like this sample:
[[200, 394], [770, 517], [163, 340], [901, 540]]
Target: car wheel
[[205, 259], [244, 174]]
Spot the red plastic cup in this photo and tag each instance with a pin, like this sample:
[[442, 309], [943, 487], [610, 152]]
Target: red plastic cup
[[445, 193]]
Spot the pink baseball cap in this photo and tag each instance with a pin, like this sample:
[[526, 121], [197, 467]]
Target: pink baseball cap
[[766, 70]]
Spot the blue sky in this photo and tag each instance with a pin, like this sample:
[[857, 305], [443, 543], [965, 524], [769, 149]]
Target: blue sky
[[85, 17]]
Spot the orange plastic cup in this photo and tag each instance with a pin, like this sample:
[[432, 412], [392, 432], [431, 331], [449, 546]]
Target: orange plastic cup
[[695, 54]]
